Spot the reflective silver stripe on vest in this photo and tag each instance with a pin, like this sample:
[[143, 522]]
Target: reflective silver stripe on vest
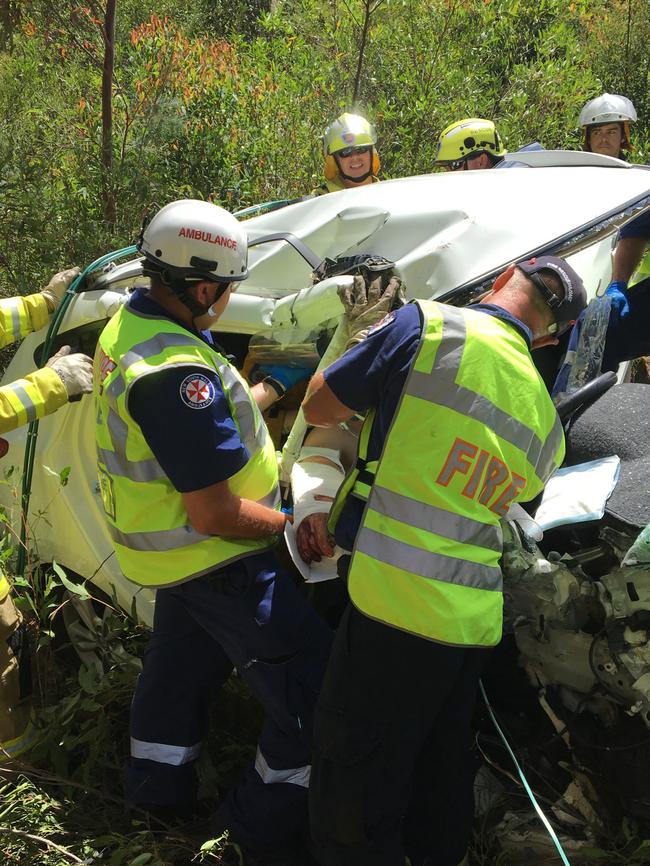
[[245, 413], [293, 776], [436, 566], [440, 387], [14, 305], [26, 401], [163, 540], [116, 462], [154, 346], [115, 389], [158, 540], [433, 519], [163, 753]]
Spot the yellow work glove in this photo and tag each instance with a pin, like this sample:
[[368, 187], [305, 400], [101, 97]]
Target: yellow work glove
[[367, 301], [75, 371], [55, 289]]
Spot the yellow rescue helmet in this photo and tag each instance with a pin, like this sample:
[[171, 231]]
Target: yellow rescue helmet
[[348, 130], [466, 138]]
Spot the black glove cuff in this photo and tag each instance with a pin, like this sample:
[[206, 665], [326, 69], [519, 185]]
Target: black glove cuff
[[277, 386]]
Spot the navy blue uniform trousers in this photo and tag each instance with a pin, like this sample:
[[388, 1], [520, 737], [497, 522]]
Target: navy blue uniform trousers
[[393, 763], [251, 616]]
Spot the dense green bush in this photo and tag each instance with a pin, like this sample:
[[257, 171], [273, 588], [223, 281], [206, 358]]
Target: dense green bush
[[227, 100]]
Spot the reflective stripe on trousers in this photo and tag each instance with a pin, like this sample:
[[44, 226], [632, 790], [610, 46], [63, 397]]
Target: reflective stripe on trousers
[[294, 776], [163, 753]]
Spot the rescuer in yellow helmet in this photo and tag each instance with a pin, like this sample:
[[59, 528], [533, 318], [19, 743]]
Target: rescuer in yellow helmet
[[351, 158], [472, 143]]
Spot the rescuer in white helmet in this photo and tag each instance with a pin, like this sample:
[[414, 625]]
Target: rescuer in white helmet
[[605, 123], [189, 483]]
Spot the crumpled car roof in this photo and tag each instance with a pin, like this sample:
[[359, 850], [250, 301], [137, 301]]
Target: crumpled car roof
[[449, 230]]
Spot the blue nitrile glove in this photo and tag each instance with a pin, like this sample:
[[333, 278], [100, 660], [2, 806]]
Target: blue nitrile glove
[[284, 376], [620, 307]]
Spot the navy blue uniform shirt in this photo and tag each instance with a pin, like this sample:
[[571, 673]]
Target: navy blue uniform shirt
[[185, 417], [374, 373], [638, 228]]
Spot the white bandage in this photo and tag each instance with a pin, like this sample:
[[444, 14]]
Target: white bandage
[[310, 480]]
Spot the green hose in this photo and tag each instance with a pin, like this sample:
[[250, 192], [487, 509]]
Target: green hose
[[265, 207], [32, 430]]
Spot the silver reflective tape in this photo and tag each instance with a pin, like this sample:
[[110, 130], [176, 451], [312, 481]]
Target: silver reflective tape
[[251, 427], [14, 305], [26, 401], [457, 527], [163, 753], [425, 563], [294, 776], [162, 540], [441, 388], [272, 499], [140, 470], [154, 346], [116, 388], [158, 540]]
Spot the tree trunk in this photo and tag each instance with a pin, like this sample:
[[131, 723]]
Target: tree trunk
[[107, 112]]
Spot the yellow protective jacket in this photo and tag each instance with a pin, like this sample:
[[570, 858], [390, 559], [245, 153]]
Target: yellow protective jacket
[[42, 391]]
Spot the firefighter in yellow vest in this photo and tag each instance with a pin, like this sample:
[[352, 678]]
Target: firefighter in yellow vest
[[22, 401], [350, 151], [189, 483], [459, 425]]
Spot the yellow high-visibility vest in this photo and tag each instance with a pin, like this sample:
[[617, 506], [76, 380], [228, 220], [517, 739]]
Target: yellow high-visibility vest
[[475, 431], [153, 540]]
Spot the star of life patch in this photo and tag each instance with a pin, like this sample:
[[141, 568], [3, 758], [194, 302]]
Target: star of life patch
[[388, 318], [197, 391]]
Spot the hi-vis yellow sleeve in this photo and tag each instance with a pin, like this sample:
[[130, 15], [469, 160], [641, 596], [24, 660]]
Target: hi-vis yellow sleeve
[[25, 400], [20, 316]]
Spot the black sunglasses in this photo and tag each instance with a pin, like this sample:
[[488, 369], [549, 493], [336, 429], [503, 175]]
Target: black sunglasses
[[349, 151], [458, 164]]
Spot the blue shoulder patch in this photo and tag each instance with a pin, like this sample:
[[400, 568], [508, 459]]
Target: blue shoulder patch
[[197, 391]]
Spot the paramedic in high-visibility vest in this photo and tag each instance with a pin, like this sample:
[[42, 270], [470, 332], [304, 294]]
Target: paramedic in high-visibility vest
[[459, 425], [189, 483], [39, 393], [350, 153]]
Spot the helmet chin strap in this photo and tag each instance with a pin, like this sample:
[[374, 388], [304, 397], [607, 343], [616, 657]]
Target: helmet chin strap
[[359, 178], [180, 289]]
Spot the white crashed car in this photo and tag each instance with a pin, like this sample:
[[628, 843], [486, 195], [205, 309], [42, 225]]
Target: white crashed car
[[581, 623]]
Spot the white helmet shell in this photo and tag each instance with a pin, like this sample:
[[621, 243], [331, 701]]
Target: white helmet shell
[[192, 238], [608, 108]]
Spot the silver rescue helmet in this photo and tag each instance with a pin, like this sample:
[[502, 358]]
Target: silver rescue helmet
[[608, 108], [190, 240]]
